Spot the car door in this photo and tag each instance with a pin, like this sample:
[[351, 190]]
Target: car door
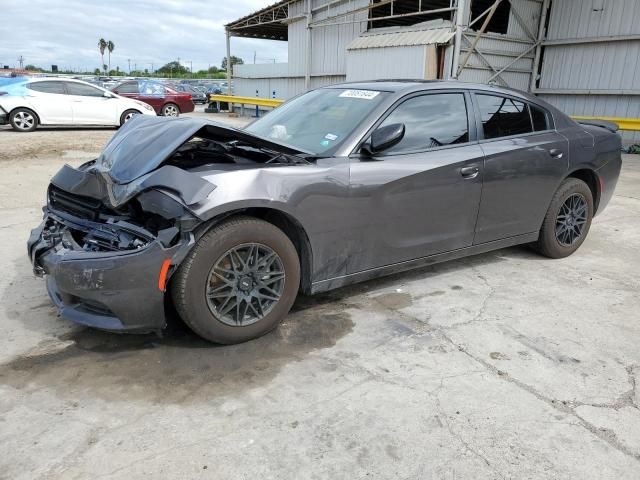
[[421, 196], [50, 102], [524, 160], [90, 106]]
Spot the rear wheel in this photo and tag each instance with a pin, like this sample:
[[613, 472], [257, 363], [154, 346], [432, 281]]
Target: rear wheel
[[568, 220], [23, 120], [238, 282], [128, 115], [170, 110]]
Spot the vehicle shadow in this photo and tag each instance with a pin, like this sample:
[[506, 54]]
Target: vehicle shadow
[[179, 366]]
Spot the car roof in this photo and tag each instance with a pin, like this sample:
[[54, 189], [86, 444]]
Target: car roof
[[59, 79], [409, 85]]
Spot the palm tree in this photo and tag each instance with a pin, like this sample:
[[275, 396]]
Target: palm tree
[[110, 47], [102, 45]]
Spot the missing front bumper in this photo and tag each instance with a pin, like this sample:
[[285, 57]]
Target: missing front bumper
[[106, 290]]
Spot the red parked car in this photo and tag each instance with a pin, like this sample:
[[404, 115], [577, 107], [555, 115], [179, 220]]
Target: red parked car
[[163, 99]]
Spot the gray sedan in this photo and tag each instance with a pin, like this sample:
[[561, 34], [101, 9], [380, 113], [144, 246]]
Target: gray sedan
[[339, 185]]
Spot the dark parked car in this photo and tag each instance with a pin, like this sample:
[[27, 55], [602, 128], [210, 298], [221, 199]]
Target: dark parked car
[[340, 185], [196, 95], [165, 100]]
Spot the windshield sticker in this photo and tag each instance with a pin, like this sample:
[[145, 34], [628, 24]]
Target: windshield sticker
[[331, 136], [324, 143], [361, 94]]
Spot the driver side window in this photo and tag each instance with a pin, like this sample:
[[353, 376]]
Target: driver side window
[[431, 121]]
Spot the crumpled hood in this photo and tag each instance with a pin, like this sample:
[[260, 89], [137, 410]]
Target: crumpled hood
[[144, 142]]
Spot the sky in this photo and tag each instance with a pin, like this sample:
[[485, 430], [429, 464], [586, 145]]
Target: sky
[[66, 33]]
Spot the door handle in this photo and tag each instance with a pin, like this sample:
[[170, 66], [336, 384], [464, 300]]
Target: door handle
[[556, 153], [469, 172]]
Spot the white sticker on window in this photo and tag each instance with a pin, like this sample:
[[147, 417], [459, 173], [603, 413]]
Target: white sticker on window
[[362, 94], [330, 136]]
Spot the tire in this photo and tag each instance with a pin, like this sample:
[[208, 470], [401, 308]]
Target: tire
[[170, 110], [23, 120], [559, 235], [128, 115], [200, 301]]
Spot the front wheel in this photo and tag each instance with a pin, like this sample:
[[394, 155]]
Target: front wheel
[[568, 220], [128, 115], [170, 110], [238, 282], [23, 120]]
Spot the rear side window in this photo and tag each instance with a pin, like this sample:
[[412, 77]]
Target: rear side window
[[502, 116], [151, 89], [131, 87], [47, 87], [83, 90], [539, 118], [430, 121]]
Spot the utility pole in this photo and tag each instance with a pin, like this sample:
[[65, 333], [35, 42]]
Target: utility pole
[[191, 67], [129, 60], [21, 60]]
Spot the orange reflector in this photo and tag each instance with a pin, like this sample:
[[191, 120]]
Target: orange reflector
[[162, 278]]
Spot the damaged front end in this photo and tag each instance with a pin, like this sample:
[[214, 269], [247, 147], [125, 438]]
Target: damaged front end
[[108, 267], [116, 228]]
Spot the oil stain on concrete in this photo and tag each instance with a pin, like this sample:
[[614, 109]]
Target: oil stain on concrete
[[178, 368]]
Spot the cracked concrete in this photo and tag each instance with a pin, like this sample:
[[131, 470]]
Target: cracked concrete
[[504, 365]]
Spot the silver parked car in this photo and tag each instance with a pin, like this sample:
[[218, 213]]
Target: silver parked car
[[339, 185]]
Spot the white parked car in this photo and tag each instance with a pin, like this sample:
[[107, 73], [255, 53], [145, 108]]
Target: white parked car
[[26, 103]]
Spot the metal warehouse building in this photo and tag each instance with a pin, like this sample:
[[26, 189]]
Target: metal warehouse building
[[580, 55]]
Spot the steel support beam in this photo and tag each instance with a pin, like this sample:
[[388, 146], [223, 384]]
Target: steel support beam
[[461, 20], [541, 35], [484, 60], [577, 41], [308, 64], [487, 19], [505, 68], [229, 71]]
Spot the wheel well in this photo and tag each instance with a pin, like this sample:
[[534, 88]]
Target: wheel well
[[129, 110], [591, 179], [291, 228], [25, 108], [170, 103]]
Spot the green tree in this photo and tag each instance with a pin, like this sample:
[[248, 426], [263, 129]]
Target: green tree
[[172, 68], [96, 71], [102, 46], [110, 46], [33, 68], [234, 61]]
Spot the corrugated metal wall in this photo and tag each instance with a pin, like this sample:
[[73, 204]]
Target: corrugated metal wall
[[328, 57], [373, 63], [568, 70]]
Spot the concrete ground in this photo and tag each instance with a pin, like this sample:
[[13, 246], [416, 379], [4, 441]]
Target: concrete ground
[[504, 365]]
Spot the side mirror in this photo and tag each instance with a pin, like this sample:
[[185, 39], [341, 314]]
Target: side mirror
[[108, 95], [384, 138]]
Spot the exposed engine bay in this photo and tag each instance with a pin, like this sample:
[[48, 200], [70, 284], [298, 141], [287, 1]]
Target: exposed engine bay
[[88, 210], [200, 151]]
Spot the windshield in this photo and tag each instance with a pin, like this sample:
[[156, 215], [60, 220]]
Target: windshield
[[319, 120]]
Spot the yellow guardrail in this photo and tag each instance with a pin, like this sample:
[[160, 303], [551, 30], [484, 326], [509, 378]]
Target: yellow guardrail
[[632, 124], [261, 102]]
